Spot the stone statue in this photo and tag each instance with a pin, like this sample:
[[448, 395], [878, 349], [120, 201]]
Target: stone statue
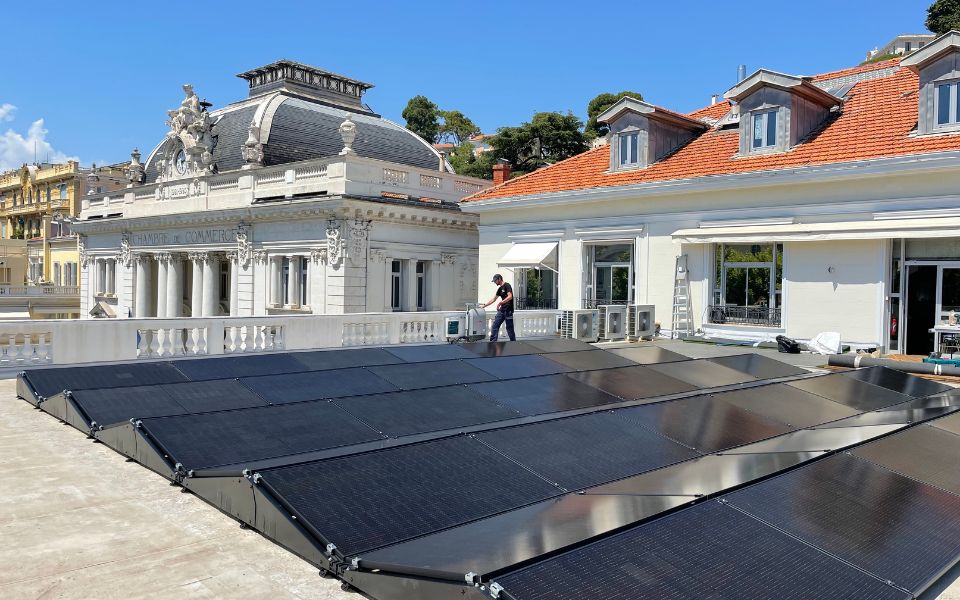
[[252, 148], [188, 150], [135, 172], [348, 132]]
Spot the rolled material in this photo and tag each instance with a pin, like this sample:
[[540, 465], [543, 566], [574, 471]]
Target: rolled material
[[854, 361]]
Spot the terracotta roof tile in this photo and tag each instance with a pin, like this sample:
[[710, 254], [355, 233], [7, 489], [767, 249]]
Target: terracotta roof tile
[[875, 122]]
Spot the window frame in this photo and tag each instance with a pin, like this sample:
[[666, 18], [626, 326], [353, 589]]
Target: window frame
[[767, 144], [953, 110], [624, 139], [396, 287]]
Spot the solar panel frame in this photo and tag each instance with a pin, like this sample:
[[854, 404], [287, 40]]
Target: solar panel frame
[[702, 373], [406, 376], [890, 417], [543, 395], [317, 385], [814, 440]]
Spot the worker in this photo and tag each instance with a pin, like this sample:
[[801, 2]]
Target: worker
[[504, 309]]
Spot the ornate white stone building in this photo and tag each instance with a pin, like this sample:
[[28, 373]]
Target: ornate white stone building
[[298, 199]]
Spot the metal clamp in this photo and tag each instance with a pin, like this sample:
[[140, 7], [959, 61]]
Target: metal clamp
[[470, 577], [330, 549], [495, 589]]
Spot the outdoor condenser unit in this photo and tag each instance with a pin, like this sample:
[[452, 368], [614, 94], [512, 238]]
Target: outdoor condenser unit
[[641, 321], [583, 325], [613, 322], [471, 325]]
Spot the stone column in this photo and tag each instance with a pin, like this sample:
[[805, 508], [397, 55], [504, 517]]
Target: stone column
[[163, 265], [273, 285], [432, 281], [175, 287], [293, 298], [211, 295], [142, 307], [111, 266], [197, 260], [408, 285], [234, 282]]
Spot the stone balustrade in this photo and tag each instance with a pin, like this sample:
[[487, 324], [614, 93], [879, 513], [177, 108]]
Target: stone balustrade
[[39, 290], [61, 342]]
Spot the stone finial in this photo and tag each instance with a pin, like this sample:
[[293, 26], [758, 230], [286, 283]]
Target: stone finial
[[252, 148], [135, 172], [348, 132]]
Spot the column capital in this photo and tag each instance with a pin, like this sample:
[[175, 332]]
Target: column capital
[[200, 257], [163, 257]]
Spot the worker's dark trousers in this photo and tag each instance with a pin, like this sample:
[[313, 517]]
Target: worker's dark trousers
[[503, 315]]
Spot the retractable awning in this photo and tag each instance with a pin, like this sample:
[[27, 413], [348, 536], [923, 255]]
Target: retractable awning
[[811, 232], [534, 255]]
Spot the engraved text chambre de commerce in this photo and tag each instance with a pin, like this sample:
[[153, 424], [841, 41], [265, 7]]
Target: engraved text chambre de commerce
[[200, 236]]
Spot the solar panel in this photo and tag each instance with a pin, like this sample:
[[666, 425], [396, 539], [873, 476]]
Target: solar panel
[[633, 383], [705, 475], [227, 437], [218, 394], [321, 360], [408, 376], [586, 450], [705, 551], [850, 392], [513, 367], [48, 382], [813, 440], [406, 413], [924, 453], [787, 404], [705, 423], [223, 367], [951, 424], [519, 535], [898, 381], [935, 401], [892, 526], [429, 352], [551, 345], [589, 360], [365, 501], [759, 366], [490, 349], [649, 355], [540, 395], [314, 385], [885, 417], [702, 373]]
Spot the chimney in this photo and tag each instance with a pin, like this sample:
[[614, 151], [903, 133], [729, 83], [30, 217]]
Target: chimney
[[713, 99], [741, 73], [501, 172]]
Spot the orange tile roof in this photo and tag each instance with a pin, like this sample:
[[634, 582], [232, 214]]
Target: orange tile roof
[[875, 122], [883, 64]]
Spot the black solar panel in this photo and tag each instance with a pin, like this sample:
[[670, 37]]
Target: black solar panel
[[540, 395], [924, 453], [937, 400], [787, 404], [321, 360], [550, 345], [490, 349], [759, 366], [705, 423], [365, 501], [408, 376], [314, 385], [850, 392], [649, 355], [633, 383], [589, 360], [219, 438], [951, 424], [223, 367], [429, 352], [892, 526], [513, 367], [406, 413], [898, 381], [813, 440], [116, 405], [885, 417], [586, 450], [48, 382], [702, 373], [706, 551]]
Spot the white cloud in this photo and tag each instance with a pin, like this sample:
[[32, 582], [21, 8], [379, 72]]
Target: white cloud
[[17, 148]]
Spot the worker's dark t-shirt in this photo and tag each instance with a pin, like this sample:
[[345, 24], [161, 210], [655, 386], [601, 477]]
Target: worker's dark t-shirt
[[502, 292]]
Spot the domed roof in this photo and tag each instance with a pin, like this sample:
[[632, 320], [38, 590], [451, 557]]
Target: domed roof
[[298, 111]]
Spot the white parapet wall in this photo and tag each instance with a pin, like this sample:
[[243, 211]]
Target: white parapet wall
[[64, 342]]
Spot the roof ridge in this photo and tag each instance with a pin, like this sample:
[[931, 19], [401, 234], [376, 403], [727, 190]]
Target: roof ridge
[[540, 170]]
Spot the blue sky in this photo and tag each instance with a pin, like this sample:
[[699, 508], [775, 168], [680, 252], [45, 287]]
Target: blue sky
[[101, 76]]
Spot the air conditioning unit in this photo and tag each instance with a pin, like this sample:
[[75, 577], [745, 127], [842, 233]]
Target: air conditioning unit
[[641, 321], [613, 322], [583, 325], [471, 326]]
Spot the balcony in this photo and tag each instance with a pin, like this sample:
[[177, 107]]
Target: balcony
[[597, 302], [533, 303], [35, 291], [762, 316]]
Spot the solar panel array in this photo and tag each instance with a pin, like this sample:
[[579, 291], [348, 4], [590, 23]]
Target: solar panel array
[[555, 469]]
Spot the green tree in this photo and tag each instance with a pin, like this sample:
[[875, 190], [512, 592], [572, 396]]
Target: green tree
[[599, 104], [464, 162], [943, 16], [548, 137], [422, 117], [456, 127]]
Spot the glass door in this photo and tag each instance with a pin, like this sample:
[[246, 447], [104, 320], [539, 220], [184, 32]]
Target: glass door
[[949, 296], [612, 284], [747, 286]]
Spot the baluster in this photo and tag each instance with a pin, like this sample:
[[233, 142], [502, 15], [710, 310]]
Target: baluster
[[27, 352], [229, 339], [249, 338], [278, 341], [154, 348]]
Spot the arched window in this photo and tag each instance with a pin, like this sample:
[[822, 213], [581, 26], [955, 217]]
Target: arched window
[[63, 191]]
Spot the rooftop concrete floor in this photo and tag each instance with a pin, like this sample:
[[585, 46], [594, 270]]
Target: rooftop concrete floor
[[81, 522]]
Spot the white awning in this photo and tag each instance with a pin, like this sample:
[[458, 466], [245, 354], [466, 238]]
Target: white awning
[[538, 255], [13, 315], [812, 232]]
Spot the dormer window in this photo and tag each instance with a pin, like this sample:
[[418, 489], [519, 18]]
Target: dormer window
[[629, 149], [948, 107], [764, 129]]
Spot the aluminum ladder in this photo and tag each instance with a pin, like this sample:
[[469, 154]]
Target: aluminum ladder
[[682, 323]]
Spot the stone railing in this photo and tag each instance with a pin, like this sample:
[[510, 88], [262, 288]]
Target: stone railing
[[39, 290], [59, 342]]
